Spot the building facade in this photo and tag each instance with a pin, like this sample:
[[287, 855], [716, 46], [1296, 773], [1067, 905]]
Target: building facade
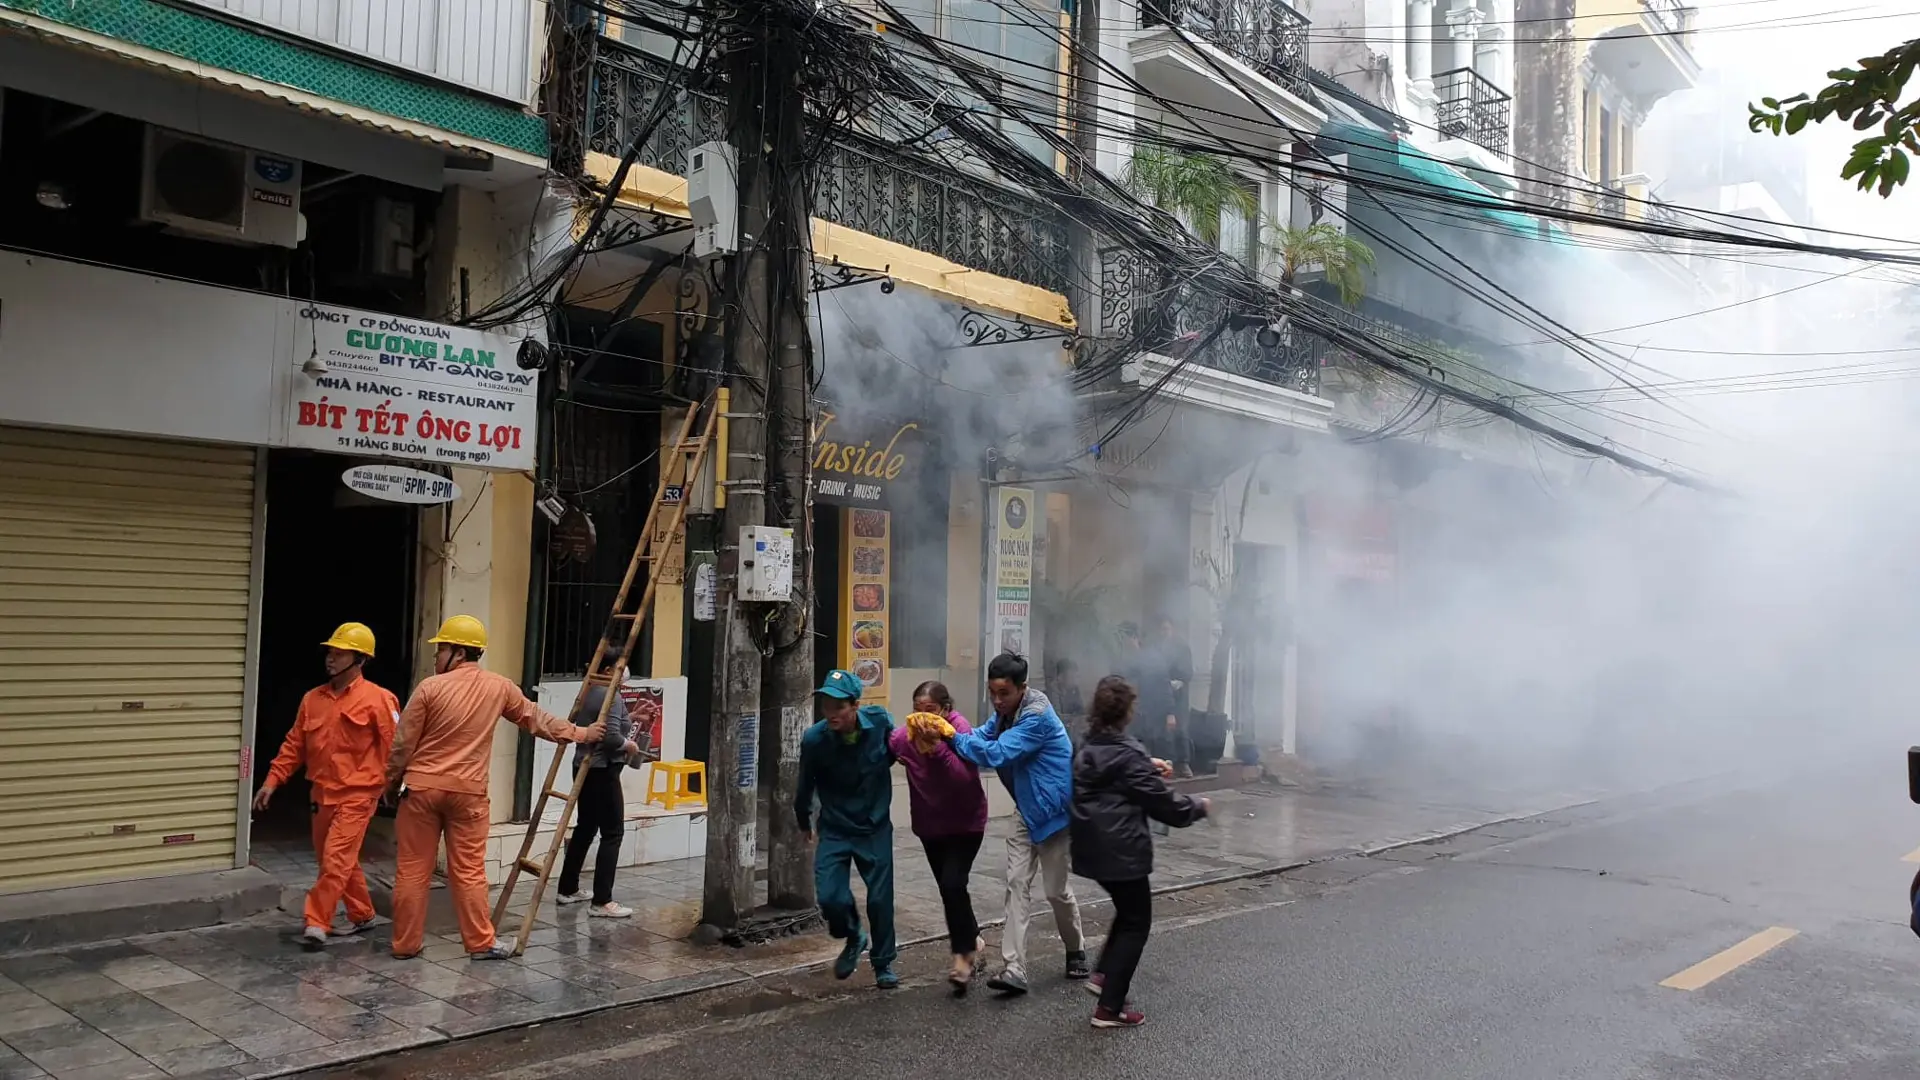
[[236, 406]]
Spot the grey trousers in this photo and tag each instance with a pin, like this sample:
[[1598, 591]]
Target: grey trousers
[[1050, 863]]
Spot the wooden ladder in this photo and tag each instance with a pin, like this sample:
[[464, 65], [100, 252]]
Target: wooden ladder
[[608, 667]]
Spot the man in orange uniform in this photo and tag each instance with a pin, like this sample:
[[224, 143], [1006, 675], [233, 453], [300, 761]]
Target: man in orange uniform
[[439, 771], [342, 735]]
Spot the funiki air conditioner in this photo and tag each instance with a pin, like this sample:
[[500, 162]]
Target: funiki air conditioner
[[220, 191]]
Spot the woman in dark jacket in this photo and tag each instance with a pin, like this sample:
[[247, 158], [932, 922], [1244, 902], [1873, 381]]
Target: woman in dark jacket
[[1116, 788]]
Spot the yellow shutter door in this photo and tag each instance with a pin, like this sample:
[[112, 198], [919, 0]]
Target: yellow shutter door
[[124, 577]]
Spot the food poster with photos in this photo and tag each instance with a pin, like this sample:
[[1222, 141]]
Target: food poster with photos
[[865, 633]]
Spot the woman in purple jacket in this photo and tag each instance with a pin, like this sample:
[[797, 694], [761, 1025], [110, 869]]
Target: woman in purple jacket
[[949, 817]]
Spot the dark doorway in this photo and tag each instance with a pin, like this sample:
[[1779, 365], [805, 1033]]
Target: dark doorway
[[332, 556]]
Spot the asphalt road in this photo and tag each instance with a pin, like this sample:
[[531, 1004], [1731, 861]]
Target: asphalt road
[[1531, 950]]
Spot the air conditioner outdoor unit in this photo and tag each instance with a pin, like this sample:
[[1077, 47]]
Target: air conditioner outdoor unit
[[220, 191]]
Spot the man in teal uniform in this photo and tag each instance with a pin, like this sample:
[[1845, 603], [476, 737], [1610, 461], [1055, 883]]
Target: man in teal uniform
[[845, 761]]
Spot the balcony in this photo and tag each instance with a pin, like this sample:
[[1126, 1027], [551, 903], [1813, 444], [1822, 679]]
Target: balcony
[[1669, 16], [862, 183], [1472, 108], [1140, 301], [1652, 56], [1266, 35], [487, 46]]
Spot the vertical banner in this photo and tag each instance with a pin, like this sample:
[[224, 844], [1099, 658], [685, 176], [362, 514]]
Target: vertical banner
[[864, 630], [1013, 569]]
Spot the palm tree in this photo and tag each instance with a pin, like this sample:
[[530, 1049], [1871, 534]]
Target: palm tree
[[1197, 188], [1342, 259]]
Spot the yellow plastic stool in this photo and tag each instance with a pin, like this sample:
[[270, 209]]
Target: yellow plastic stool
[[677, 793]]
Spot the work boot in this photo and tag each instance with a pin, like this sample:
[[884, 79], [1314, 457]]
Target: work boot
[[1077, 966], [849, 958], [1009, 982]]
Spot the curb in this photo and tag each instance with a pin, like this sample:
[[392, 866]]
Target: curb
[[693, 984]]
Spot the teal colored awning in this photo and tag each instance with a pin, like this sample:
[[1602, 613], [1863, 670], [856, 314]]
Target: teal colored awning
[[1380, 155]]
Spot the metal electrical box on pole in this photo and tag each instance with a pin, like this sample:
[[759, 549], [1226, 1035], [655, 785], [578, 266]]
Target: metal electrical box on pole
[[766, 564]]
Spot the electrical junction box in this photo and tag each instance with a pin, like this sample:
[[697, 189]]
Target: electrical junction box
[[713, 197], [766, 564]]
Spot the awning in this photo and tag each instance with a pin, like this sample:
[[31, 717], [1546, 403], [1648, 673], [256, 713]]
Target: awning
[[1384, 155]]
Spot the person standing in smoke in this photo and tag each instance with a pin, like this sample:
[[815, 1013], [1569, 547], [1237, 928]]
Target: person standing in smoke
[[1177, 655], [1068, 700], [1145, 670]]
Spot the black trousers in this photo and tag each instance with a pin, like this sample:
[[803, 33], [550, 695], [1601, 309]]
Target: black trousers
[[951, 858], [602, 811], [1126, 939], [1171, 745]]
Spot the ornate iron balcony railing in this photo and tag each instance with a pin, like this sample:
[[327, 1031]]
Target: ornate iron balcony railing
[[1267, 35], [862, 183], [1472, 108], [1610, 200], [1139, 299], [1671, 16]]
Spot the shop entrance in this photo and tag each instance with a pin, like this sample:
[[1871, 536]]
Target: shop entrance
[[332, 556]]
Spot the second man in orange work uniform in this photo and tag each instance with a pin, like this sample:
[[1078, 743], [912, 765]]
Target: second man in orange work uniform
[[343, 735], [440, 770]]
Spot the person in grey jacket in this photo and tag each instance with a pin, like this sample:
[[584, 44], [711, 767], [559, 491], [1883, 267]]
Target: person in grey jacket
[[602, 808], [1116, 788]]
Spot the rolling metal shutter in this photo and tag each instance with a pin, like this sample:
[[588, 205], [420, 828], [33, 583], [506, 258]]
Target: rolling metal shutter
[[125, 567]]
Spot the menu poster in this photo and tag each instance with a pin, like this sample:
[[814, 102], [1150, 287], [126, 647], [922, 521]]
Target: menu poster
[[1013, 569], [864, 626]]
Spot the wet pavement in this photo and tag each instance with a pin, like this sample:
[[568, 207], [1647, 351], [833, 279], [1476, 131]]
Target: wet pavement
[[244, 1001], [1613, 941]]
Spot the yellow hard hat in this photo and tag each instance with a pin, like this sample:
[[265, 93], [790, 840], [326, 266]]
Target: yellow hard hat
[[461, 630], [353, 637]]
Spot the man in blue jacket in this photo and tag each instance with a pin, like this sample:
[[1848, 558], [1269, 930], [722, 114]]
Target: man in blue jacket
[[1027, 745], [845, 760]]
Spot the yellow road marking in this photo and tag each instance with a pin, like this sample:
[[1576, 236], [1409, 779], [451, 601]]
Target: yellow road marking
[[1911, 856], [1720, 963]]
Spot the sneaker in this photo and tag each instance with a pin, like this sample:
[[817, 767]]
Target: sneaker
[[313, 938], [885, 978], [499, 950], [1128, 1016], [1008, 981], [1077, 966], [610, 910], [850, 955], [1096, 982], [565, 899], [354, 928]]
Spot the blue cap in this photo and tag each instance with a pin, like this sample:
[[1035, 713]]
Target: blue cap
[[841, 684]]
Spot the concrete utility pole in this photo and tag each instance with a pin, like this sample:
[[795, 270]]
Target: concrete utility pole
[[788, 692], [760, 86]]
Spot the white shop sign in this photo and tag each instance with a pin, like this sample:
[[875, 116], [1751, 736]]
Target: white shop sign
[[396, 483], [89, 348], [398, 388]]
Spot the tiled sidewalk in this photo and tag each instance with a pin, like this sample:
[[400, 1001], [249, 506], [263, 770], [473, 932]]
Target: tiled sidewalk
[[244, 1001]]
